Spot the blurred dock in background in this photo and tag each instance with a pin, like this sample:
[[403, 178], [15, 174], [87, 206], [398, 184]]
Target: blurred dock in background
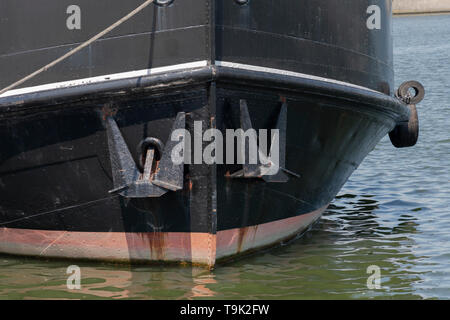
[[420, 6]]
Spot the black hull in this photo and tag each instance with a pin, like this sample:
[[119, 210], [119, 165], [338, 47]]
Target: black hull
[[317, 37], [56, 172], [55, 168]]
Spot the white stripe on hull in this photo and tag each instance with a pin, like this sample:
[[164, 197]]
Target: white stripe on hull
[[106, 78], [171, 68], [286, 73]]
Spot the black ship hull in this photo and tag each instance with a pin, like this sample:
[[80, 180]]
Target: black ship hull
[[56, 167]]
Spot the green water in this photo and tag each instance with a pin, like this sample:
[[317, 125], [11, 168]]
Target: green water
[[393, 213]]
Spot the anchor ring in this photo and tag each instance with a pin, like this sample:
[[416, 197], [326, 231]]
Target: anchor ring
[[163, 3], [149, 143], [404, 92]]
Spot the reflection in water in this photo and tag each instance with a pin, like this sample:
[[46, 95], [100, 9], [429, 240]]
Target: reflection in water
[[329, 261], [202, 279], [366, 240], [105, 283]]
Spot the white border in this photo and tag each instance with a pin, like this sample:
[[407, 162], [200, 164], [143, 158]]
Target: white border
[[190, 65]]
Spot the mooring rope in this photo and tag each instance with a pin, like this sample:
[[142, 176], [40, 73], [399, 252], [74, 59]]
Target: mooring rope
[[80, 47]]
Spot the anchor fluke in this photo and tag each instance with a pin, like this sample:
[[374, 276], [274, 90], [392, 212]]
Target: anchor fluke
[[170, 174], [264, 169]]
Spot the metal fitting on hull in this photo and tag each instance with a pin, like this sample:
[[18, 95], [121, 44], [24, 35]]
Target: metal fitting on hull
[[406, 134]]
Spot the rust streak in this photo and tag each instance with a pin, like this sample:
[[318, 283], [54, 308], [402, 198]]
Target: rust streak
[[157, 244], [243, 234], [108, 111]]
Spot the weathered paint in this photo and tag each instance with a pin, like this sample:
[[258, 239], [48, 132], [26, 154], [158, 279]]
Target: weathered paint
[[195, 248], [55, 168]]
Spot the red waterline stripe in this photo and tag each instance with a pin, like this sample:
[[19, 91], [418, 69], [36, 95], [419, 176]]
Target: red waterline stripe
[[202, 248]]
